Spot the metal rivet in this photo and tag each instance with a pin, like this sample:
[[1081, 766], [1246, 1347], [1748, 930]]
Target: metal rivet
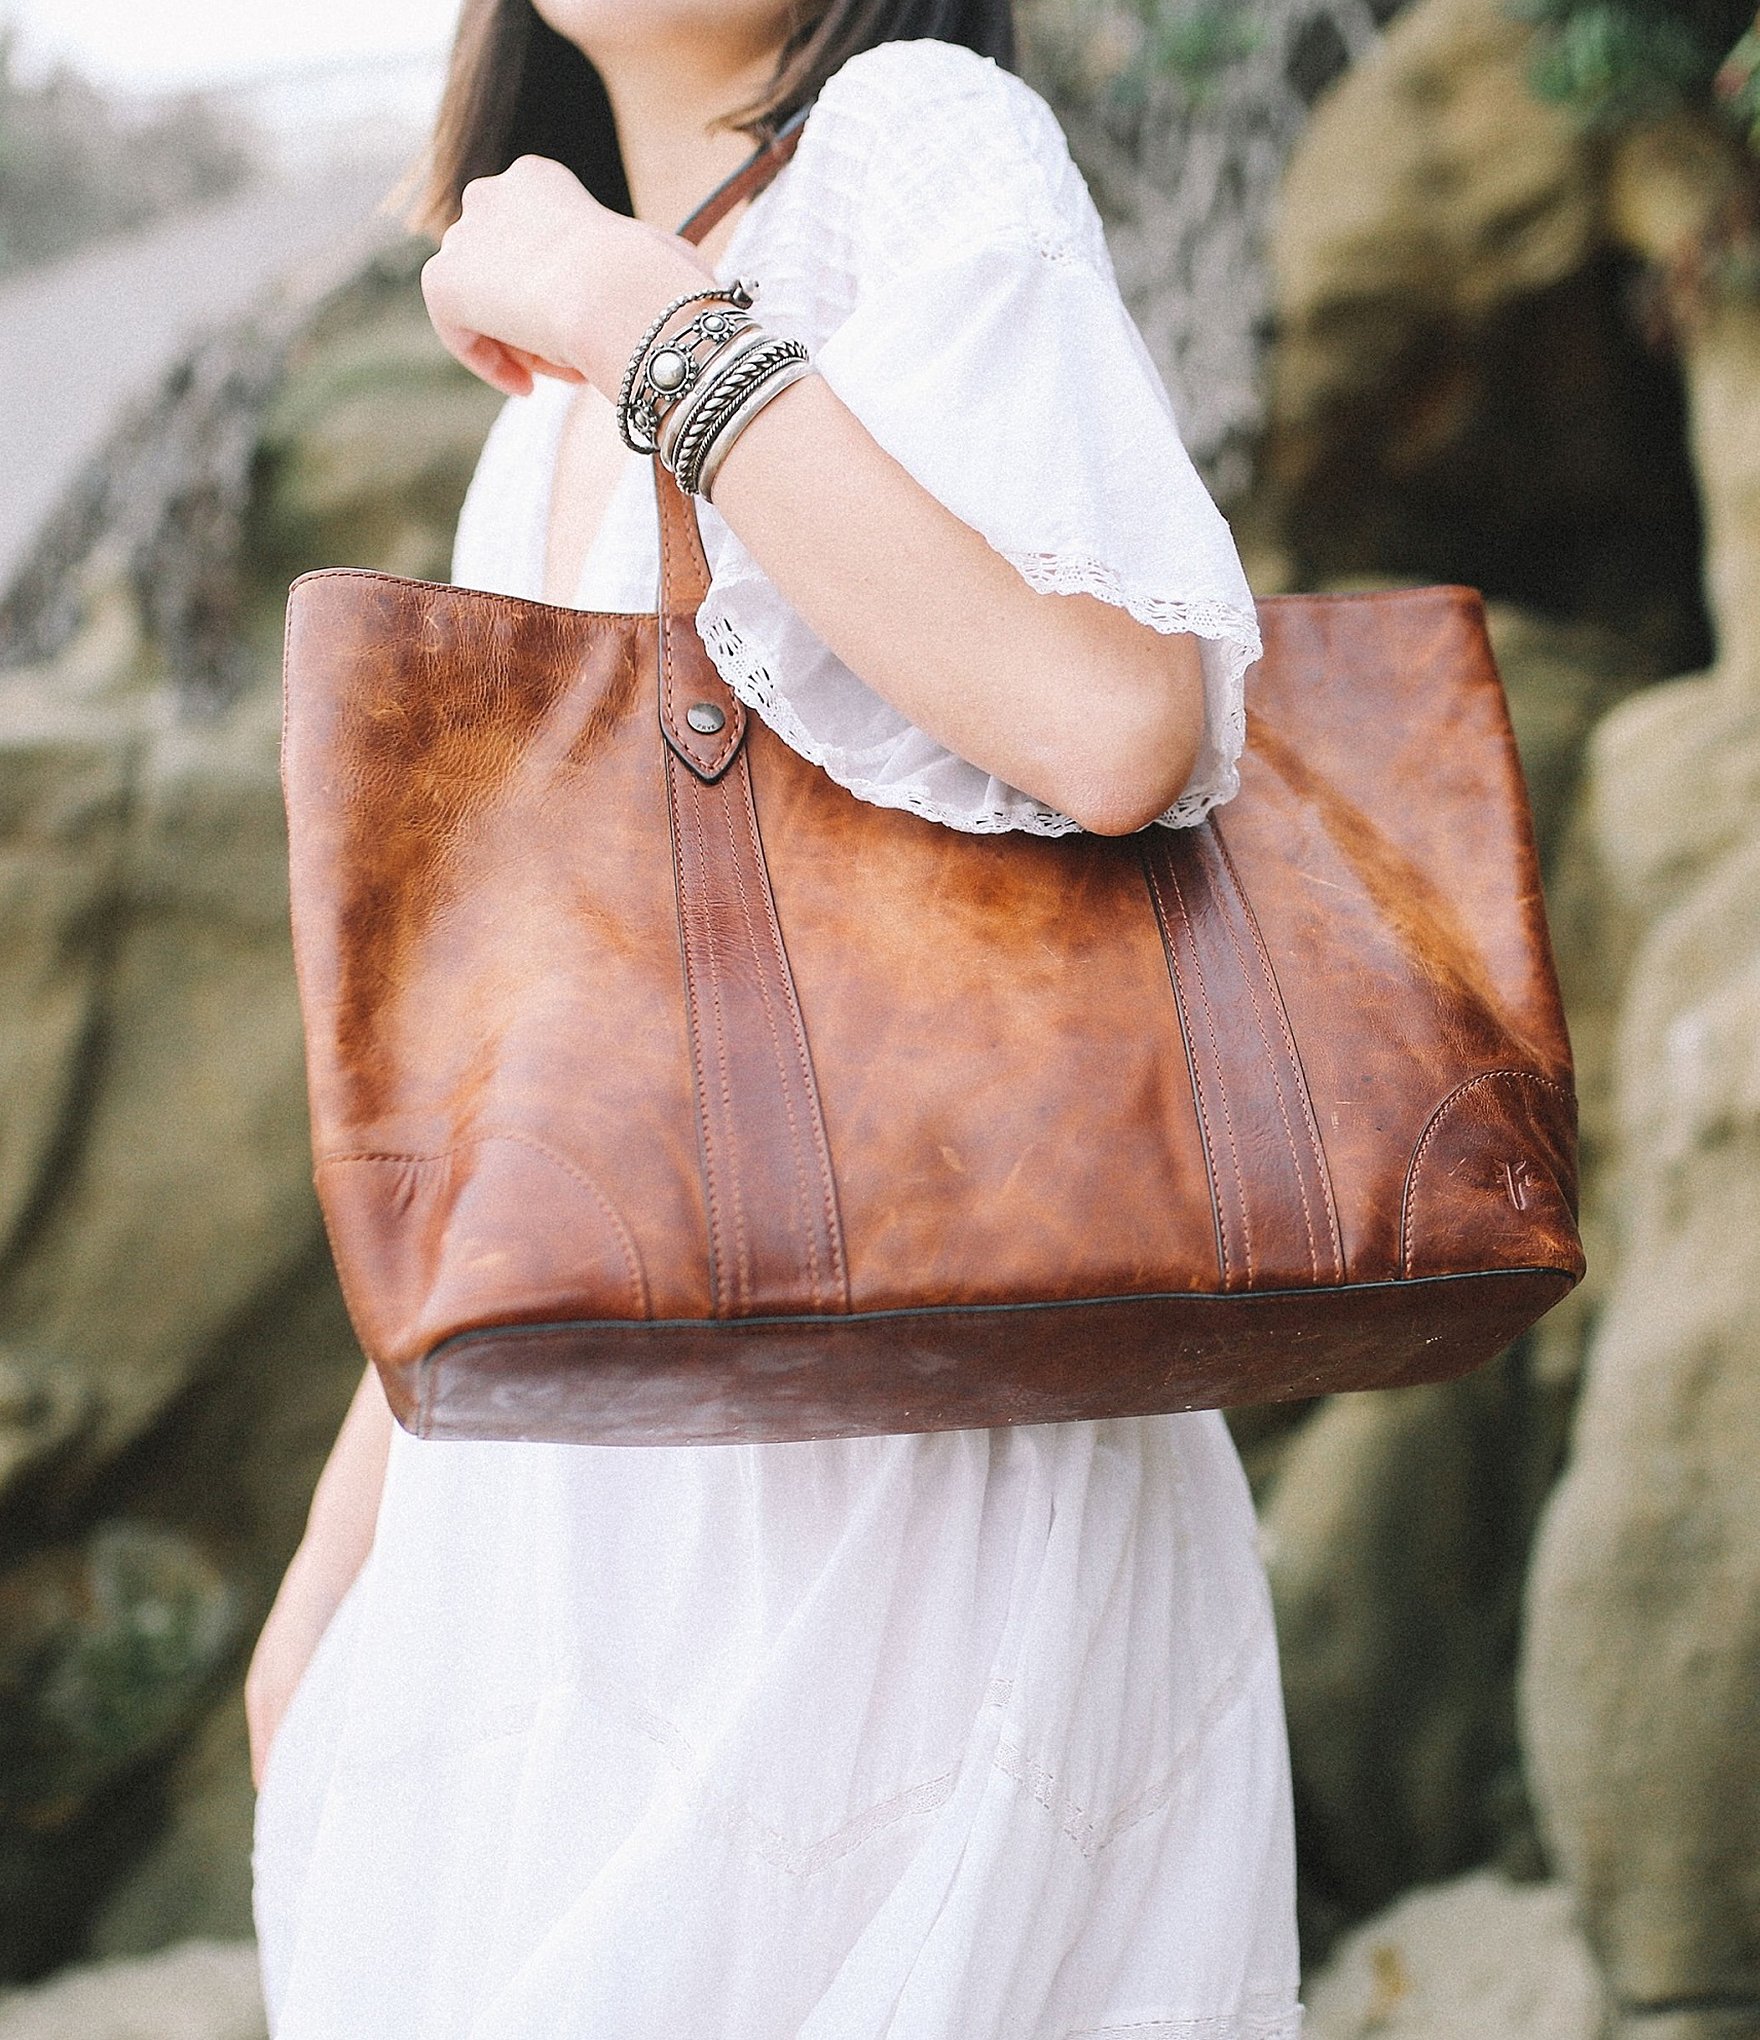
[[705, 718]]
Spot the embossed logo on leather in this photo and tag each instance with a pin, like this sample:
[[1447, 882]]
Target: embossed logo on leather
[[1517, 1176]]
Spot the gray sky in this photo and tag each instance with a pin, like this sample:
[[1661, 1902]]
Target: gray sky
[[152, 44]]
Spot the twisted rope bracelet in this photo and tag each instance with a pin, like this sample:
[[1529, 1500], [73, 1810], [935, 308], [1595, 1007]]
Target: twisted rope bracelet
[[732, 395]]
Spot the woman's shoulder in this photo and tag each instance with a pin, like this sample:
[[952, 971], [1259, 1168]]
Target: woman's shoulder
[[926, 82], [926, 143]]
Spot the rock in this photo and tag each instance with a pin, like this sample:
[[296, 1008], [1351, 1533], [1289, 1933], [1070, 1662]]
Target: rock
[[106, 1650], [172, 1344], [1459, 390], [1479, 1959], [1561, 679], [1642, 1657], [203, 1990], [369, 440], [103, 1646], [1396, 1538], [1182, 120], [250, 1449], [195, 1873]]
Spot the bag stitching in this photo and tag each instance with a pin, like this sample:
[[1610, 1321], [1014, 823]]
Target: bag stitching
[[797, 1160], [1210, 1041], [1172, 951], [1289, 1043], [1435, 1127], [809, 1141], [626, 1244], [693, 999], [1265, 1042]]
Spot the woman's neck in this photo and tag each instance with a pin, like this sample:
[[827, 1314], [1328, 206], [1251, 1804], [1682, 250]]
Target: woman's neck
[[673, 154]]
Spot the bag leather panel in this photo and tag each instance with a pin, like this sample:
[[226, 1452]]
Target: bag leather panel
[[1497, 1159], [1382, 838], [775, 1239], [1000, 1063], [688, 676], [423, 1244], [475, 793], [1276, 1226], [762, 1380]]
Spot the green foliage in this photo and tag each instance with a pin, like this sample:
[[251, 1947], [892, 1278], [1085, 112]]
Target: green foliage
[[1622, 62], [1192, 42], [75, 165]]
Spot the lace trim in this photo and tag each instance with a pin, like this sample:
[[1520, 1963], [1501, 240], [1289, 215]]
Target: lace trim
[[1221, 623], [1265, 2017]]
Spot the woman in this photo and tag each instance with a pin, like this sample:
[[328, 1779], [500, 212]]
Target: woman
[[964, 1736]]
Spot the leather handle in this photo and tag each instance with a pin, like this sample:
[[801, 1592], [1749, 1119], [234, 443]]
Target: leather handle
[[1270, 1192], [704, 722], [774, 1234], [747, 181]]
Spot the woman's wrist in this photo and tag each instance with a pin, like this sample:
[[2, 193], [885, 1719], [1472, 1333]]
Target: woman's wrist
[[646, 273]]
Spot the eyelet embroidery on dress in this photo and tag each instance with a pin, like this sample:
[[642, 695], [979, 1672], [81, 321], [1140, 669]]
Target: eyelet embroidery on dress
[[1089, 1833]]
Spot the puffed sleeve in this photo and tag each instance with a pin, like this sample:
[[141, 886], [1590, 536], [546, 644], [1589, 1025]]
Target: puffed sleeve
[[986, 348]]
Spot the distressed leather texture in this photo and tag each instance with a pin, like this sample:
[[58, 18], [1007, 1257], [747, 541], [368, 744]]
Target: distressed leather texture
[[660, 1096], [664, 1092]]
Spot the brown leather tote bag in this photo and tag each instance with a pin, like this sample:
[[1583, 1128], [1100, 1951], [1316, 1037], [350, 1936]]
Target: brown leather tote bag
[[664, 1092]]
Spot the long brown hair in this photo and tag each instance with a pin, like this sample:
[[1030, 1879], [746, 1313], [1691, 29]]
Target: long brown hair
[[517, 88]]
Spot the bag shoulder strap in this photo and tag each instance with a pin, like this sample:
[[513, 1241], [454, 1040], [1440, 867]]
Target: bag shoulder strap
[[747, 181], [774, 1235], [684, 567]]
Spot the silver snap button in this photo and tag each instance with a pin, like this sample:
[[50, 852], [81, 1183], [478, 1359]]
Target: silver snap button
[[705, 718]]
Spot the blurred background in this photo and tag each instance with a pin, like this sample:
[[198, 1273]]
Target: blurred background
[[1460, 290]]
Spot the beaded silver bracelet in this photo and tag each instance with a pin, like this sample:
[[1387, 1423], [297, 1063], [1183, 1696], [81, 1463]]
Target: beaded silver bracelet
[[657, 376], [728, 405]]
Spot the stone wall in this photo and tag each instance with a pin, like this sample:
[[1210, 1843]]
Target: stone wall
[[1520, 1614], [174, 1357]]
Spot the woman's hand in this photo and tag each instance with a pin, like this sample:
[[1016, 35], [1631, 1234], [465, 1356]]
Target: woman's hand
[[536, 277]]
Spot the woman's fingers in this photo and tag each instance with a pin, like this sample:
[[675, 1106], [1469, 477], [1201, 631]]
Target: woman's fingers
[[495, 364], [535, 364], [500, 363]]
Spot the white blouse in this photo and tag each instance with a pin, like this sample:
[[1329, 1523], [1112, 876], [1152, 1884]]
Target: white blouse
[[935, 247]]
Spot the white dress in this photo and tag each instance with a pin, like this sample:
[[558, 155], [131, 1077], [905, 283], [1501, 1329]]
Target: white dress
[[968, 1736]]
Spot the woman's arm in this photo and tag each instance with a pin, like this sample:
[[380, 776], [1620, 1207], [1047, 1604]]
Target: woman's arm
[[339, 1534], [1064, 696]]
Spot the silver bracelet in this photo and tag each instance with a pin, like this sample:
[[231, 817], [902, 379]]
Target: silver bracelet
[[657, 376], [678, 418], [780, 379], [727, 397]]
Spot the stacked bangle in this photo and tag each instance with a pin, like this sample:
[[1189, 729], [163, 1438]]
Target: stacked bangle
[[658, 376], [729, 404], [688, 395]]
